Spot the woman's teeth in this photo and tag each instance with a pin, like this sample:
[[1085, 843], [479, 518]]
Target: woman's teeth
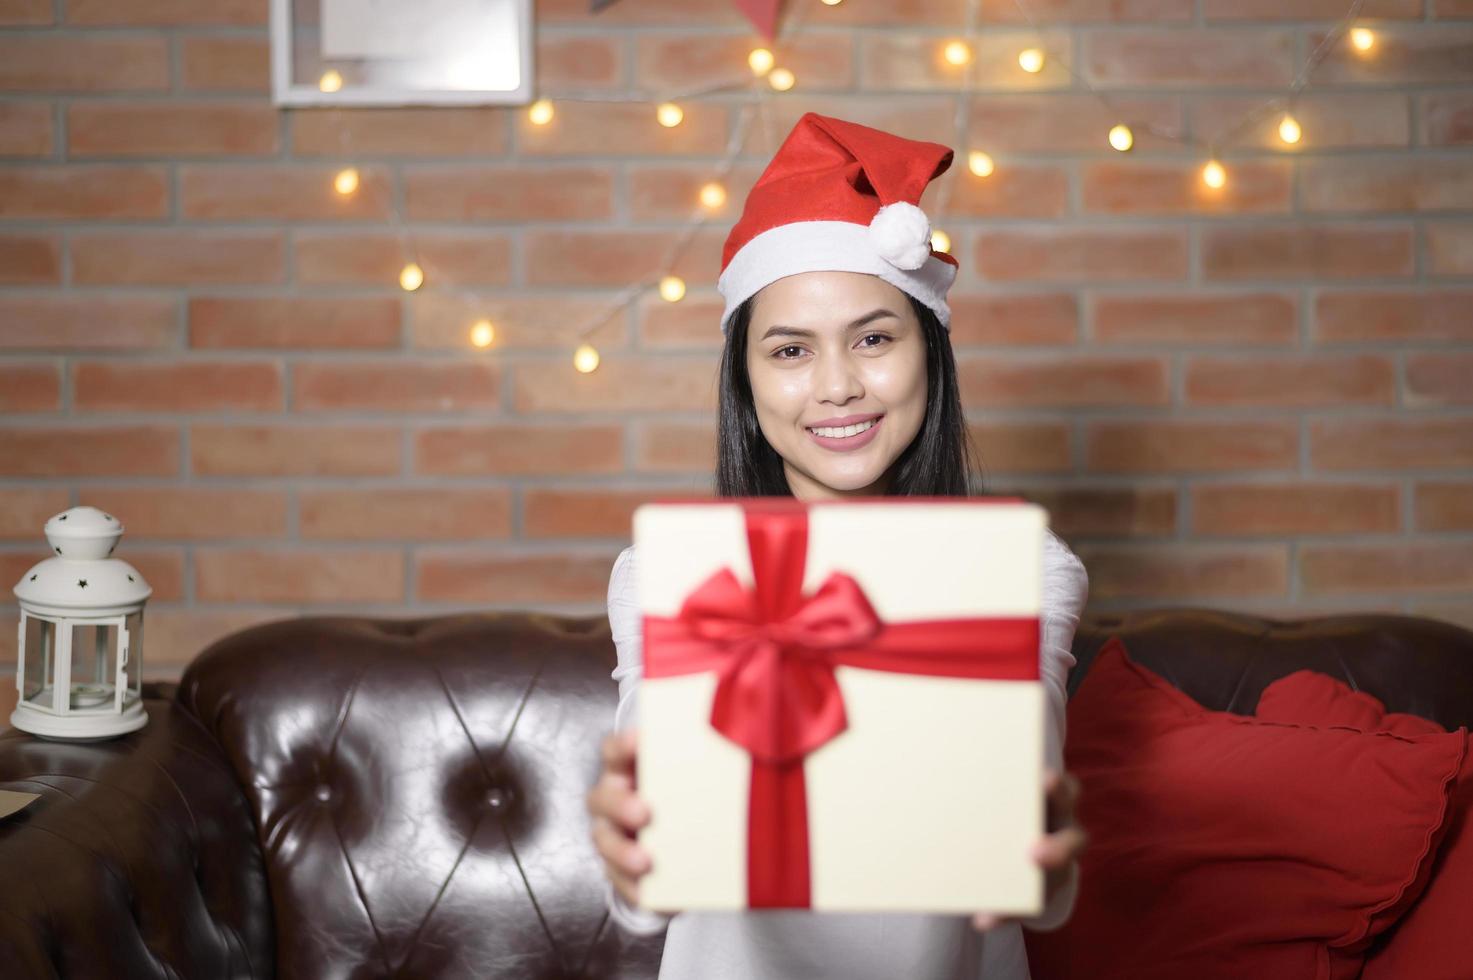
[[844, 431]]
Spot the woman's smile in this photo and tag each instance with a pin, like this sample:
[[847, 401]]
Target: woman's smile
[[847, 438]]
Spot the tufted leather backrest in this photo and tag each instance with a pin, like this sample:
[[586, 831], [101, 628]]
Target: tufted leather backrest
[[419, 791]]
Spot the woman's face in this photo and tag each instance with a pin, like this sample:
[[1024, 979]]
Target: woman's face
[[829, 349]]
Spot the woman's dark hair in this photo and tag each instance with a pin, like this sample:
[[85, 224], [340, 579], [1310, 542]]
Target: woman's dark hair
[[938, 461]]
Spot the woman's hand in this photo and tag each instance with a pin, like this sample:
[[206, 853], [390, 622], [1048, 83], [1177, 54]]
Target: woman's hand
[[617, 815], [1056, 849]]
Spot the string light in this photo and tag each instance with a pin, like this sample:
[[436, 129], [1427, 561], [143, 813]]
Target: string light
[[482, 334], [1362, 39], [781, 79], [669, 114], [957, 53], [1213, 174], [1121, 137], [331, 81], [585, 359], [941, 241], [1289, 130], [980, 164], [540, 112], [713, 195], [760, 61], [346, 182], [411, 277], [1031, 60], [672, 289]]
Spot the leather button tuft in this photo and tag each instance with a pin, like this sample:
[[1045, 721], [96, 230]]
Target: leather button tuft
[[497, 798], [324, 793]]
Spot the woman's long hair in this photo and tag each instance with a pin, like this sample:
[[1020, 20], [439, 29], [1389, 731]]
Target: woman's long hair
[[938, 461]]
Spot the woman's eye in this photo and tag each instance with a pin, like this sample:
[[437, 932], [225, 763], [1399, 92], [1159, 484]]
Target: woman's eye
[[780, 350], [880, 335]]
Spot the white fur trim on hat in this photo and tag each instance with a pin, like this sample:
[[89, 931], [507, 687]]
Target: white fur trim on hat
[[829, 246], [902, 234]]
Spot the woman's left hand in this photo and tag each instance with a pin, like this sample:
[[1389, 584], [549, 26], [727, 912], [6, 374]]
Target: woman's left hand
[[1056, 849]]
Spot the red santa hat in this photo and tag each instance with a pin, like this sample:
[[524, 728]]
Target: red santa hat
[[840, 196]]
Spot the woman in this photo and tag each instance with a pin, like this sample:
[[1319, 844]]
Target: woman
[[837, 379]]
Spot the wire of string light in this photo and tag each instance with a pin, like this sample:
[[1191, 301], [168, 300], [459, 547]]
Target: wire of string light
[[766, 76]]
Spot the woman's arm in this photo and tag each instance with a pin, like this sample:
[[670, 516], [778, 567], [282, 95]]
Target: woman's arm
[[624, 623]]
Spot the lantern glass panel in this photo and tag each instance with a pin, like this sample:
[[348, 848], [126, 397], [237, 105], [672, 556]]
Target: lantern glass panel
[[132, 669], [94, 665], [40, 650]]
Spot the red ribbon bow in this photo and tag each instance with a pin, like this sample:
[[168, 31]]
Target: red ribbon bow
[[774, 651]]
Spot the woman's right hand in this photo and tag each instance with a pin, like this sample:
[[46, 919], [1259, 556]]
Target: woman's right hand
[[617, 815]]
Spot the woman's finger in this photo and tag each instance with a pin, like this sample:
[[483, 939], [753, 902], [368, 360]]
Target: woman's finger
[[1056, 850], [612, 799], [619, 750], [621, 852]]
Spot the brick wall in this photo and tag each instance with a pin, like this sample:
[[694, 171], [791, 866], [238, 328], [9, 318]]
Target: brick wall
[[1259, 398]]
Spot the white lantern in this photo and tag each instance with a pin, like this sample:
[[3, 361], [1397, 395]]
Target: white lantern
[[80, 675]]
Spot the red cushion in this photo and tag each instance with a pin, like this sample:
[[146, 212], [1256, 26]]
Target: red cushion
[[1431, 941], [1224, 846]]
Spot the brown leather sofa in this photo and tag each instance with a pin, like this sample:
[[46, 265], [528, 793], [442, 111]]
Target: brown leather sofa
[[338, 797]]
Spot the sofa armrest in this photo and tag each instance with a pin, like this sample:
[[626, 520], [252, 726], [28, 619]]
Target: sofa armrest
[[139, 859]]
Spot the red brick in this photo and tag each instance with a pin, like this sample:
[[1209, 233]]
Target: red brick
[[577, 61], [28, 260], [1404, 56], [277, 193], [178, 256], [1393, 316], [1012, 381], [1185, 571], [557, 322], [29, 386], [173, 129], [293, 450], [194, 513], [91, 322], [294, 322], [1198, 317], [676, 447], [1444, 378], [161, 568], [1071, 254], [1016, 191], [1220, 57], [391, 514], [1449, 248], [226, 63], [1452, 8], [618, 258], [84, 193], [1328, 120], [518, 450], [26, 129], [693, 323], [1444, 505], [578, 513], [663, 13], [1408, 184], [1065, 122], [177, 386], [1227, 10], [1447, 118], [601, 129], [906, 62], [660, 192], [89, 450], [1344, 250], [1081, 11], [395, 386], [165, 13], [84, 63], [487, 577], [1390, 443], [24, 511], [1295, 508], [299, 575], [1291, 381], [1023, 447], [373, 259], [408, 132], [921, 116], [1188, 446], [521, 194], [624, 384], [26, 13], [1177, 188], [174, 636], [1104, 511], [1402, 566], [675, 62]]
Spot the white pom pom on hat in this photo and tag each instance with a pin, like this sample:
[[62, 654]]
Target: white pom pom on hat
[[841, 196]]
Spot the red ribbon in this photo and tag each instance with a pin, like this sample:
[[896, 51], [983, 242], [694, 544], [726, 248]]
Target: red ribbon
[[774, 651]]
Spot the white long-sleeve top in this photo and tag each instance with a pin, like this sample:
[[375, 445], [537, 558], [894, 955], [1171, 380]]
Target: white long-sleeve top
[[778, 944]]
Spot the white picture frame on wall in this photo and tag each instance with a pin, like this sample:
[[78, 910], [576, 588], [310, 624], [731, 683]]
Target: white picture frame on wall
[[392, 53]]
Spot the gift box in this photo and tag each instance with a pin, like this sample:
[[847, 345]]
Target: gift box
[[841, 706]]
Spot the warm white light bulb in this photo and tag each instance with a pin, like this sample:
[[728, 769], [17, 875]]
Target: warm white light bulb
[[980, 163], [585, 359], [412, 277], [1030, 60], [1362, 39], [541, 112], [940, 241], [482, 333], [1121, 137], [1213, 174], [957, 53], [1289, 130], [781, 79], [672, 289], [669, 114], [346, 182], [331, 81], [713, 195], [760, 61]]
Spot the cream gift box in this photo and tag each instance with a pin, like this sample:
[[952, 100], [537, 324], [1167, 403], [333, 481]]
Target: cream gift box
[[841, 706]]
